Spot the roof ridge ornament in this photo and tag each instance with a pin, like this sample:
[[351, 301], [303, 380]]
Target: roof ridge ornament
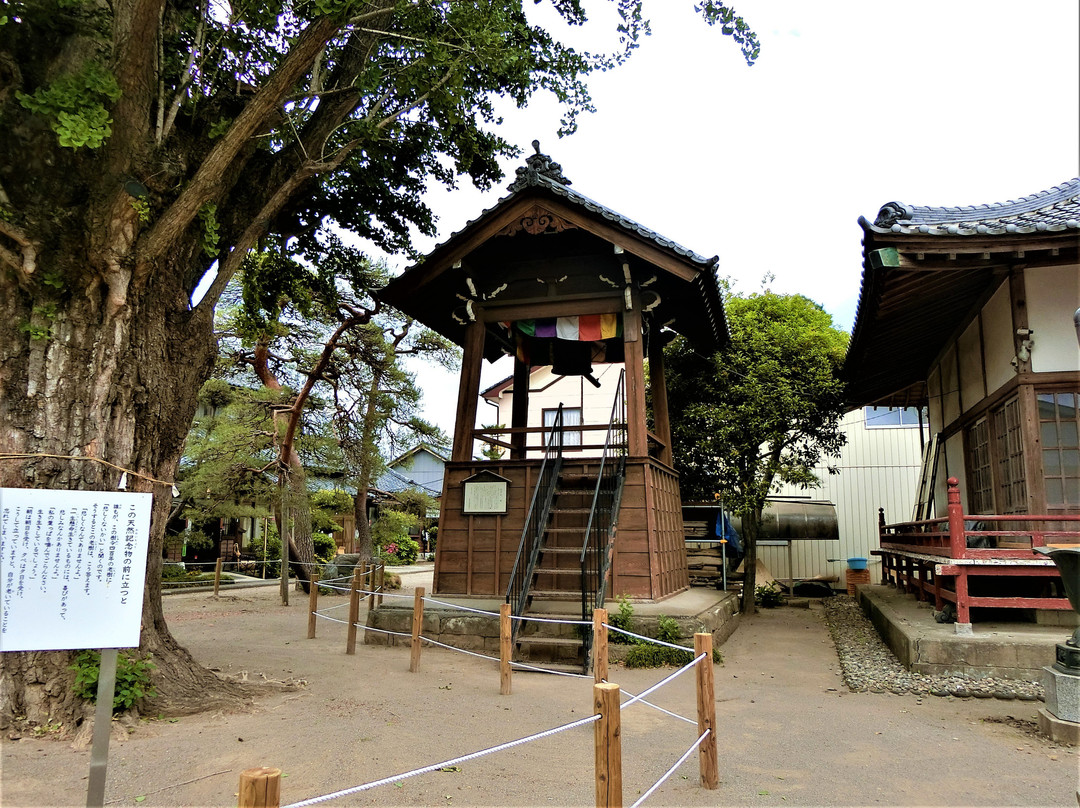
[[891, 213], [536, 166]]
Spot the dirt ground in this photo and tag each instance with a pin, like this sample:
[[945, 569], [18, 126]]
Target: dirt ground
[[790, 733]]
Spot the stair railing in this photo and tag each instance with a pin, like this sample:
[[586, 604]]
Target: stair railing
[[517, 591], [604, 513]]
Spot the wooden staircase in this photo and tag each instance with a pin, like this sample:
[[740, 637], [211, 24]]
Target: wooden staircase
[[555, 588]]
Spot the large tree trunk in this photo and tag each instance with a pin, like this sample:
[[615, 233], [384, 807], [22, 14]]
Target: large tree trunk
[[108, 385]]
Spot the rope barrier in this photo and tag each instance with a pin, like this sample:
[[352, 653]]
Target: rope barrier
[[445, 764], [332, 619], [652, 640], [671, 771], [462, 608], [663, 681], [383, 630], [661, 709], [523, 619], [461, 650], [526, 667]]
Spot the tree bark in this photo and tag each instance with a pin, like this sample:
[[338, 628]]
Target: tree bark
[[751, 525], [108, 385]]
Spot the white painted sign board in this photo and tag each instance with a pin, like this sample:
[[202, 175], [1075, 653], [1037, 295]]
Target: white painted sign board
[[72, 567], [484, 497]]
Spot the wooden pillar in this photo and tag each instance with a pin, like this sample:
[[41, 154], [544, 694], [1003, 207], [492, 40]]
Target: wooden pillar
[[313, 603], [506, 649], [706, 706], [658, 387], [634, 357], [957, 537], [260, 788], [600, 645], [417, 629], [607, 741], [519, 415], [468, 391]]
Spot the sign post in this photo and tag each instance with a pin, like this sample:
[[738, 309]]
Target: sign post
[[72, 569]]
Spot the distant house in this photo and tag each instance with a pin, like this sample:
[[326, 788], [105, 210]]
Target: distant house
[[583, 404], [421, 467]]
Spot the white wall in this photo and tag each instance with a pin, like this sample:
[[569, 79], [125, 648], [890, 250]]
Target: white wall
[[879, 468], [547, 391], [1053, 295]]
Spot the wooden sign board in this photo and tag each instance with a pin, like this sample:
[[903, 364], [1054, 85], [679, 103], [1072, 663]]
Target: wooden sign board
[[485, 493], [72, 568]]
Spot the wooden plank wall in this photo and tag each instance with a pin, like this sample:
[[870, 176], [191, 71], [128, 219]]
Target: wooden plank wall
[[475, 554]]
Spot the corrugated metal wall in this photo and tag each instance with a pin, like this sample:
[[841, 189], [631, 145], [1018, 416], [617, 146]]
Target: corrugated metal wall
[[879, 468]]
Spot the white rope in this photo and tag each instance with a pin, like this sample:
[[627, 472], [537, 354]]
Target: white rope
[[332, 619], [383, 631], [462, 608], [445, 763], [331, 608], [671, 771], [661, 709], [649, 639], [523, 619], [461, 650], [523, 666], [663, 682]]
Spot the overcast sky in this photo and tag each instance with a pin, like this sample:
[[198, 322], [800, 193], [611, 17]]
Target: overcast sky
[[851, 105]]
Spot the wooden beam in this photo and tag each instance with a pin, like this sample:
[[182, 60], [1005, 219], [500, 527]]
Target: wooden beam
[[658, 386], [468, 391], [519, 417], [634, 358], [568, 306]]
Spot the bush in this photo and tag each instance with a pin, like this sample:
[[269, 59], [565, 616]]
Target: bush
[[325, 547], [132, 678], [623, 620], [768, 596], [400, 551], [647, 655]]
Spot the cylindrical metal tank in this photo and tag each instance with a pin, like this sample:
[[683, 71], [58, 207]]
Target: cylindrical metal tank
[[791, 520]]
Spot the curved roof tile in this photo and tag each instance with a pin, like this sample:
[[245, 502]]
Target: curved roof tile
[[1054, 210]]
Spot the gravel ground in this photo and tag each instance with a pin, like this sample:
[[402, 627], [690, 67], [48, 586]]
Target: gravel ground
[[869, 665]]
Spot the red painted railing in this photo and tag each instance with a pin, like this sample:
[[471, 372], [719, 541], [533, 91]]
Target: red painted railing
[[918, 555]]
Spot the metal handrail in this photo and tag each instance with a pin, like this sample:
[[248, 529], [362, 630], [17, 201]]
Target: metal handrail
[[517, 591], [596, 545]]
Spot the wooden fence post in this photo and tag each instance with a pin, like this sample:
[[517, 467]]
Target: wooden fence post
[[313, 603], [382, 583], [600, 644], [354, 610], [217, 576], [706, 712], [260, 788], [607, 739], [417, 628], [506, 649], [369, 585]]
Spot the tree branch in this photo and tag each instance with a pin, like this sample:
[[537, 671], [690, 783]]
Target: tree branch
[[25, 265]]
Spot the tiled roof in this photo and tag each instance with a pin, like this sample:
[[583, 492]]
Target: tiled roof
[[540, 171], [1053, 210]]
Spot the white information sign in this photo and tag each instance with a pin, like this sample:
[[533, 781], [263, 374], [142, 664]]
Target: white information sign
[[485, 497], [72, 567]]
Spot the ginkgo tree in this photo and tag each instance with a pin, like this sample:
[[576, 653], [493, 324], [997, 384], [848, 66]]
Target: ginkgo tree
[[150, 145]]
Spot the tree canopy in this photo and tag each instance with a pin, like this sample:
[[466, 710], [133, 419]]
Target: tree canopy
[[763, 412], [151, 144]]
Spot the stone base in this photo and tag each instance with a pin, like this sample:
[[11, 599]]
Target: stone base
[[1060, 731], [1062, 694]]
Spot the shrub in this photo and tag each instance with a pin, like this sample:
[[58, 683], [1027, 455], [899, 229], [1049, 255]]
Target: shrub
[[667, 629], [623, 620], [401, 551], [768, 596], [325, 547], [647, 655], [132, 678]]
